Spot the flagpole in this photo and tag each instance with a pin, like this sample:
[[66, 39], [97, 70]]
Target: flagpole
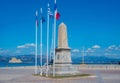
[[36, 43], [47, 38], [41, 42], [54, 41], [83, 56], [51, 50]]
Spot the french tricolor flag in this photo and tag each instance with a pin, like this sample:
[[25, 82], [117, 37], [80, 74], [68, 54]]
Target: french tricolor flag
[[57, 14]]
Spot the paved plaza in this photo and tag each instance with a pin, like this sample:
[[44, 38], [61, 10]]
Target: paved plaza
[[24, 75]]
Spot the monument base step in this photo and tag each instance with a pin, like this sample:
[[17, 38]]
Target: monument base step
[[64, 70]]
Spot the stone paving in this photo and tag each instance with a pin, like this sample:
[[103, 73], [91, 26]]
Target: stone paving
[[25, 76]]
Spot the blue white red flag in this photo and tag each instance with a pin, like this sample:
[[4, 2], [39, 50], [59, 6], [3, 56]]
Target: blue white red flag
[[57, 14]]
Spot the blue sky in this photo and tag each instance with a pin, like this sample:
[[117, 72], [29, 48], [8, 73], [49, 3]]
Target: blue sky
[[89, 23]]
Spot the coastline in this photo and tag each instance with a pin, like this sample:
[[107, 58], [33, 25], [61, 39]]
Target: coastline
[[18, 67], [81, 66]]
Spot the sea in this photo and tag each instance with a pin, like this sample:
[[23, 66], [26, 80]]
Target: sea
[[29, 60]]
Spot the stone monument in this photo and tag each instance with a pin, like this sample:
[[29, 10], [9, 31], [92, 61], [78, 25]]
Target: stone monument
[[63, 55], [63, 63]]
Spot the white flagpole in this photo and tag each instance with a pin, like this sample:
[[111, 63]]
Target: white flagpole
[[47, 38], [51, 50], [41, 42], [83, 56], [36, 43], [54, 41]]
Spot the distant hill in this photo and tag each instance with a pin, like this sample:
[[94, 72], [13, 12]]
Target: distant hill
[[95, 60]]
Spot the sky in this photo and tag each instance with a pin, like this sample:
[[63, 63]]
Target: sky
[[92, 24]]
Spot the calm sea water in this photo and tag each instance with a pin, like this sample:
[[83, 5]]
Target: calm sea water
[[30, 61], [5, 64]]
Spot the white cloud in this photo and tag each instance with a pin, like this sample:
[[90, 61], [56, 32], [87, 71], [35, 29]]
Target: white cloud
[[113, 47], [90, 50], [75, 50], [4, 52], [21, 47], [26, 45], [113, 51], [96, 46]]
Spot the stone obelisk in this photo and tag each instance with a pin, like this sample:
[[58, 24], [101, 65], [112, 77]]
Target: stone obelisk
[[63, 61], [63, 55]]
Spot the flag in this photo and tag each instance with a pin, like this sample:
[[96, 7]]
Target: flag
[[57, 14], [36, 18], [55, 7], [50, 13], [43, 19]]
